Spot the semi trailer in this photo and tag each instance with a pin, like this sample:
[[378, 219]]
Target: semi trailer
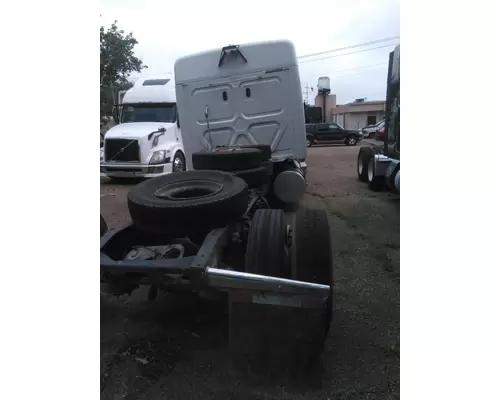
[[380, 165]]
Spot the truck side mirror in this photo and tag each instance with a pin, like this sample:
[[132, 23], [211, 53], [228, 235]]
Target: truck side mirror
[[115, 115], [177, 118]]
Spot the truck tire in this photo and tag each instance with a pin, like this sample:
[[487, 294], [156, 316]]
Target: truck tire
[[266, 247], [104, 226], [312, 247], [189, 202], [255, 177], [264, 148], [258, 331], [363, 156], [267, 337], [312, 261], [375, 183], [227, 159], [392, 179]]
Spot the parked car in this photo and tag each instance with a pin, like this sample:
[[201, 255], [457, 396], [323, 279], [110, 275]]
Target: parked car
[[371, 130], [380, 134], [331, 132]]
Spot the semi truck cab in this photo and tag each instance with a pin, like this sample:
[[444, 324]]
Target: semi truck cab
[[147, 140], [246, 94]]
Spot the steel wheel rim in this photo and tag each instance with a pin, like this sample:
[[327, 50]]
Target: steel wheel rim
[[178, 164], [308, 143], [370, 170], [352, 141], [360, 165]]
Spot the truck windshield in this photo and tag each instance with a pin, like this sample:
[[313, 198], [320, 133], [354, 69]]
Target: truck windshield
[[148, 113]]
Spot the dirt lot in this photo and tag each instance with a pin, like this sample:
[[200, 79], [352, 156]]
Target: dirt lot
[[167, 349]]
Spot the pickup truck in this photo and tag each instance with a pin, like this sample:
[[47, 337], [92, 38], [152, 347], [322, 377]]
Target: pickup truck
[[370, 131], [331, 132]]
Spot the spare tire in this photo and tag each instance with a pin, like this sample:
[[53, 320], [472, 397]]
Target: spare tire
[[255, 177], [190, 202], [227, 159], [264, 148]]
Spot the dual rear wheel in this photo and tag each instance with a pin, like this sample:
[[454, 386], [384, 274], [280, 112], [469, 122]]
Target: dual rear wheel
[[366, 168], [282, 331]]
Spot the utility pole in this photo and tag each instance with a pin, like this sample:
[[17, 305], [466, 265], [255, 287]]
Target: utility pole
[[306, 99]]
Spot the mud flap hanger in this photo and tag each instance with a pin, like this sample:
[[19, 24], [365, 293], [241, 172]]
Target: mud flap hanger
[[231, 49]]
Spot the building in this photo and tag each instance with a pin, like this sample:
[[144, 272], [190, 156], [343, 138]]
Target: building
[[358, 114], [355, 115], [329, 102]]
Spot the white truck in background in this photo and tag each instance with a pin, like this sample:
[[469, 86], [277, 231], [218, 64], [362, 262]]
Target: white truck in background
[[146, 140]]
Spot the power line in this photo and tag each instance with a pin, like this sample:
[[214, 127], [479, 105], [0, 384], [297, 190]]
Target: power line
[[344, 76], [349, 47], [306, 93], [357, 73], [347, 69], [346, 54]]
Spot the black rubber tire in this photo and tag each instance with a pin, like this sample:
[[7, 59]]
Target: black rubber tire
[[182, 216], [269, 167], [371, 135], [264, 148], [355, 141], [282, 339], [266, 252], [312, 247], [313, 262], [255, 177], [377, 184], [227, 159], [104, 226], [364, 154], [393, 177], [257, 331]]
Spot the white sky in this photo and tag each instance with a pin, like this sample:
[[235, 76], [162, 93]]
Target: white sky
[[166, 30]]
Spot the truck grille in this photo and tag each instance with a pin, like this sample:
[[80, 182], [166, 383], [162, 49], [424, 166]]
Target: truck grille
[[126, 150]]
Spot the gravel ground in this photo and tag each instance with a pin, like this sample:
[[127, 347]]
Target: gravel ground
[[169, 349]]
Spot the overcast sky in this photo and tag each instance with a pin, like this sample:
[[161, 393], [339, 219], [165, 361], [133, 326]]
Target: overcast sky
[[167, 30]]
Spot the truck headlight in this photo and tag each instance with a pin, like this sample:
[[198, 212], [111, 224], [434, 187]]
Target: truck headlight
[[158, 157]]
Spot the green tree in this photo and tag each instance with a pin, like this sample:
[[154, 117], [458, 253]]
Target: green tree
[[118, 61]]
